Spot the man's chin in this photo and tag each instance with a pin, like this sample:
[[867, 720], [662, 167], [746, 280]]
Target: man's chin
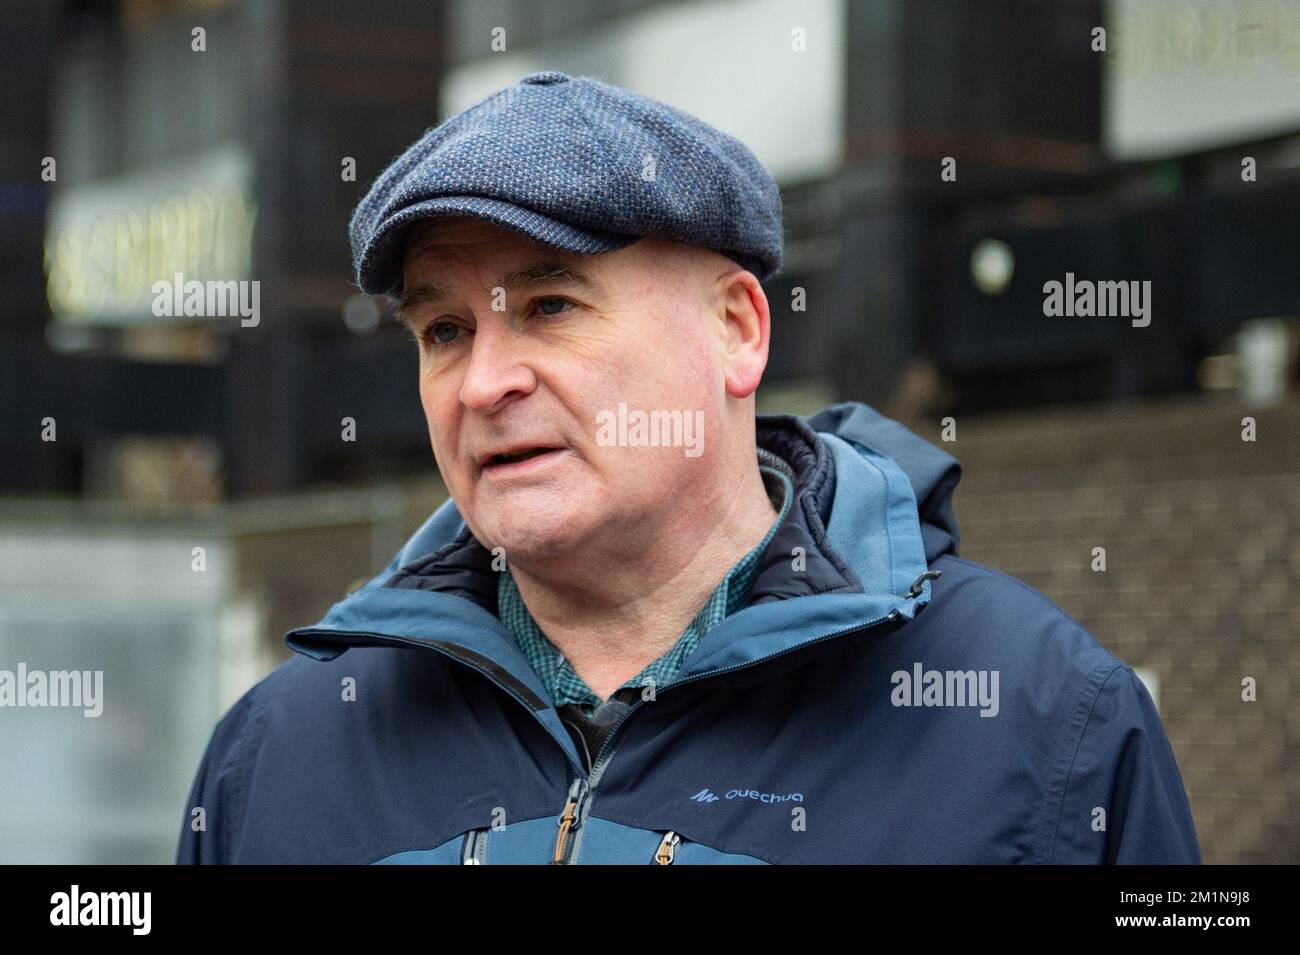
[[527, 541]]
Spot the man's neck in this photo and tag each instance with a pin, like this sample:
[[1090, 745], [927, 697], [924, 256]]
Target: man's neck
[[612, 613]]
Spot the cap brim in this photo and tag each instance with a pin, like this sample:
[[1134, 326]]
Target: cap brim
[[379, 269]]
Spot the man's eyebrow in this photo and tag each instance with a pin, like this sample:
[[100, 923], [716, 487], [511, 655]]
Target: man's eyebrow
[[542, 273], [425, 294]]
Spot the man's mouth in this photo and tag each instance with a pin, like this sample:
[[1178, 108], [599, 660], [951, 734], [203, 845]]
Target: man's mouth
[[517, 456], [520, 456]]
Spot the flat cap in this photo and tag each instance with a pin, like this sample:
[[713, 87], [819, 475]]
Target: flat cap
[[576, 164]]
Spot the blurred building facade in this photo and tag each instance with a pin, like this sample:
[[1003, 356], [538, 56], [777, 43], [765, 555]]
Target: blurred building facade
[[245, 158], [918, 291]]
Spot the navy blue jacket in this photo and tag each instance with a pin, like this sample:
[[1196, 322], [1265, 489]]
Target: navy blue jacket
[[879, 700]]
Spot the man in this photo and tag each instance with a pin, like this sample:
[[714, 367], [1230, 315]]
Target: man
[[649, 627]]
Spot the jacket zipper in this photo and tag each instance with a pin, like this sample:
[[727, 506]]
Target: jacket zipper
[[570, 820], [581, 792], [474, 850], [667, 850]]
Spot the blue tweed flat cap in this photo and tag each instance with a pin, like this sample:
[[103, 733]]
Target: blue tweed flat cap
[[577, 164]]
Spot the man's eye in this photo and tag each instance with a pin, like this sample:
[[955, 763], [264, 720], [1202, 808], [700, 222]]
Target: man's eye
[[444, 334], [440, 334], [545, 305]]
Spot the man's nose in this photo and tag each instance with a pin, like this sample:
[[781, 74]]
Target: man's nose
[[497, 366]]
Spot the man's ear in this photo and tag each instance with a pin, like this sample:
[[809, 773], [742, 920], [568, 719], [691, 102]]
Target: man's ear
[[747, 321]]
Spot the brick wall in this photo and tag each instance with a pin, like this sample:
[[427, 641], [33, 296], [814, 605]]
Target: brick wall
[[1201, 532]]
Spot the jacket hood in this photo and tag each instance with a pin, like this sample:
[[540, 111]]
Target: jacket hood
[[932, 473], [872, 509]]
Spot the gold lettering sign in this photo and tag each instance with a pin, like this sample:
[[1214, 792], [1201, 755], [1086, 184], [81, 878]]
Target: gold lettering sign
[[107, 245]]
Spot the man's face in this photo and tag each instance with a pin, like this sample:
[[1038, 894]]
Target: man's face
[[524, 347]]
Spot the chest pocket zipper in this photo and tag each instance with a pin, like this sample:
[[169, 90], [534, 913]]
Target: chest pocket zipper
[[474, 850], [667, 850]]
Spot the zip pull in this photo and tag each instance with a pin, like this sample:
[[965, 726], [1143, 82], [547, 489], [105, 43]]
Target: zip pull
[[475, 847], [667, 850], [569, 820], [915, 590]]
